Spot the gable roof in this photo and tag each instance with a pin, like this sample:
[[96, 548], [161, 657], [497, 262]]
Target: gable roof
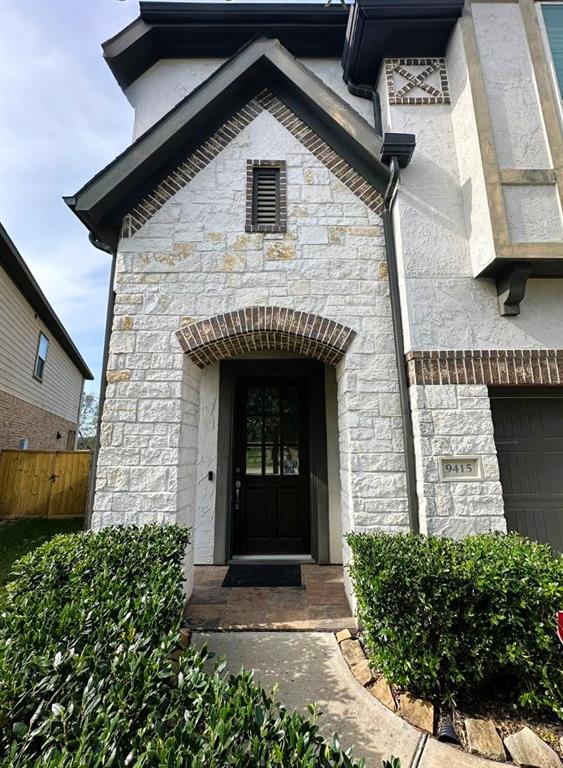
[[263, 63], [20, 274]]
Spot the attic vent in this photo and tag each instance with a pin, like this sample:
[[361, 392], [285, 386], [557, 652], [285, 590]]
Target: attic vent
[[266, 196], [266, 207]]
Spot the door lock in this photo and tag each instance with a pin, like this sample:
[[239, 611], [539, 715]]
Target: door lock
[[237, 493]]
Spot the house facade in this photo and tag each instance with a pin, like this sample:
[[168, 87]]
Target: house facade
[[41, 372], [338, 262]]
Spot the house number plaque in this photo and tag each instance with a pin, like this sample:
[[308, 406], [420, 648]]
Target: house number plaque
[[456, 468]]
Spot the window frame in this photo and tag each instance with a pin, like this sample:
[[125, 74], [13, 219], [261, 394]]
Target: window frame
[[38, 357], [550, 61], [251, 196]]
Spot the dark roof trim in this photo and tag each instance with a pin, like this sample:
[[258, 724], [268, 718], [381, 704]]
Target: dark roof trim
[[378, 29], [191, 30], [103, 201], [18, 271]]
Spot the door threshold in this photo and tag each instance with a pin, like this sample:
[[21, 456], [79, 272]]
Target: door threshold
[[271, 559]]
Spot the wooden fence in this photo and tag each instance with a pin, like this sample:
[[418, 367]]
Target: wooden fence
[[43, 483]]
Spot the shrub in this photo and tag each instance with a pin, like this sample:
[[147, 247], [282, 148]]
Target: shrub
[[86, 677], [443, 617]]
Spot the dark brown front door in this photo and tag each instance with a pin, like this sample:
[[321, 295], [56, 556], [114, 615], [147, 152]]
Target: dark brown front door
[[271, 472]]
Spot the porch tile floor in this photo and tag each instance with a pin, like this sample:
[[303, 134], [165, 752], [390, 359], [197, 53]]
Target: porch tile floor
[[320, 604]]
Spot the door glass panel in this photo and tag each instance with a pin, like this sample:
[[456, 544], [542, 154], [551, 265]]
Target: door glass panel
[[254, 400], [290, 399], [253, 459], [272, 430], [272, 459], [253, 429], [291, 460], [291, 428], [271, 400]]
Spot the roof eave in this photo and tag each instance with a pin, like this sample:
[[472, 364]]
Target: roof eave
[[22, 277]]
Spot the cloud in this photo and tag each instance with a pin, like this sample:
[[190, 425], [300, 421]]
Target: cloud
[[63, 117]]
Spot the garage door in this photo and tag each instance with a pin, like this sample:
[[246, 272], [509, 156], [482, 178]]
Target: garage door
[[529, 439]]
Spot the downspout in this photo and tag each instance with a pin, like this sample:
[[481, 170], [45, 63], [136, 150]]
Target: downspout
[[395, 297], [396, 152], [103, 383], [368, 92]]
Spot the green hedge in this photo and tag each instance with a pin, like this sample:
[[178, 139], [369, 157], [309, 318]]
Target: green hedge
[[86, 635], [444, 617]]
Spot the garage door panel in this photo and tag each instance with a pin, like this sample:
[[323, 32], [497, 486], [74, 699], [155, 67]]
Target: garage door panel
[[520, 471], [554, 463], [513, 419], [529, 440], [551, 416]]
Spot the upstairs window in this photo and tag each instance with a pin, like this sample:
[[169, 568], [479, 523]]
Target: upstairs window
[[41, 356], [553, 20], [266, 206]]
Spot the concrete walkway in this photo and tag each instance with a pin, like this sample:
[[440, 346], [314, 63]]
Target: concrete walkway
[[308, 667]]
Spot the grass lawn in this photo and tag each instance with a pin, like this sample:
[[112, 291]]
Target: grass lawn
[[17, 537]]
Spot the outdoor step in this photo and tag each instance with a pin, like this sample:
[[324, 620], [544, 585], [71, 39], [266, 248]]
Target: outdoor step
[[483, 739], [528, 750]]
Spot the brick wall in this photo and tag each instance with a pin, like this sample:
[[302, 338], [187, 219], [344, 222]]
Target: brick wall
[[19, 419]]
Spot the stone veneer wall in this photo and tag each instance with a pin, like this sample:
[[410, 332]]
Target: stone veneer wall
[[19, 419], [455, 419], [192, 260]]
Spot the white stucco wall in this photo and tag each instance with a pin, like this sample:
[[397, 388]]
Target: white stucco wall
[[162, 86], [193, 260], [471, 179], [440, 217], [534, 213], [168, 81], [518, 128]]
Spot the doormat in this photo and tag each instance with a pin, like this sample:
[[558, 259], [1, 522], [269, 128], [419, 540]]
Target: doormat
[[263, 576]]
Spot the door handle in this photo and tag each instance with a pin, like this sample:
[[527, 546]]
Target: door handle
[[237, 494]]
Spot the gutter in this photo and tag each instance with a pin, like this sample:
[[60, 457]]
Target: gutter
[[395, 297], [103, 383]]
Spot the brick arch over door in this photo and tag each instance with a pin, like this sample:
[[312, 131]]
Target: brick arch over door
[[264, 328]]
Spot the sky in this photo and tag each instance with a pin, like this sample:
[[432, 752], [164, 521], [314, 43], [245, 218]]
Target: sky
[[62, 118]]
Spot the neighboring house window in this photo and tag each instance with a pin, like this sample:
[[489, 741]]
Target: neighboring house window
[[553, 20], [41, 357], [266, 205]]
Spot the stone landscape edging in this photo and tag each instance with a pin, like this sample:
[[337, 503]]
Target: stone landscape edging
[[433, 753]]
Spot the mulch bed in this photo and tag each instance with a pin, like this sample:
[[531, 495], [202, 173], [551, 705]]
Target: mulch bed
[[508, 719]]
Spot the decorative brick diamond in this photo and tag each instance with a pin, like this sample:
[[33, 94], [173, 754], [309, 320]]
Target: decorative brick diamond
[[417, 81]]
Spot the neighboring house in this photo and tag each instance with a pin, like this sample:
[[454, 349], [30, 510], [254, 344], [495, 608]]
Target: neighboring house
[[316, 326], [41, 372]]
